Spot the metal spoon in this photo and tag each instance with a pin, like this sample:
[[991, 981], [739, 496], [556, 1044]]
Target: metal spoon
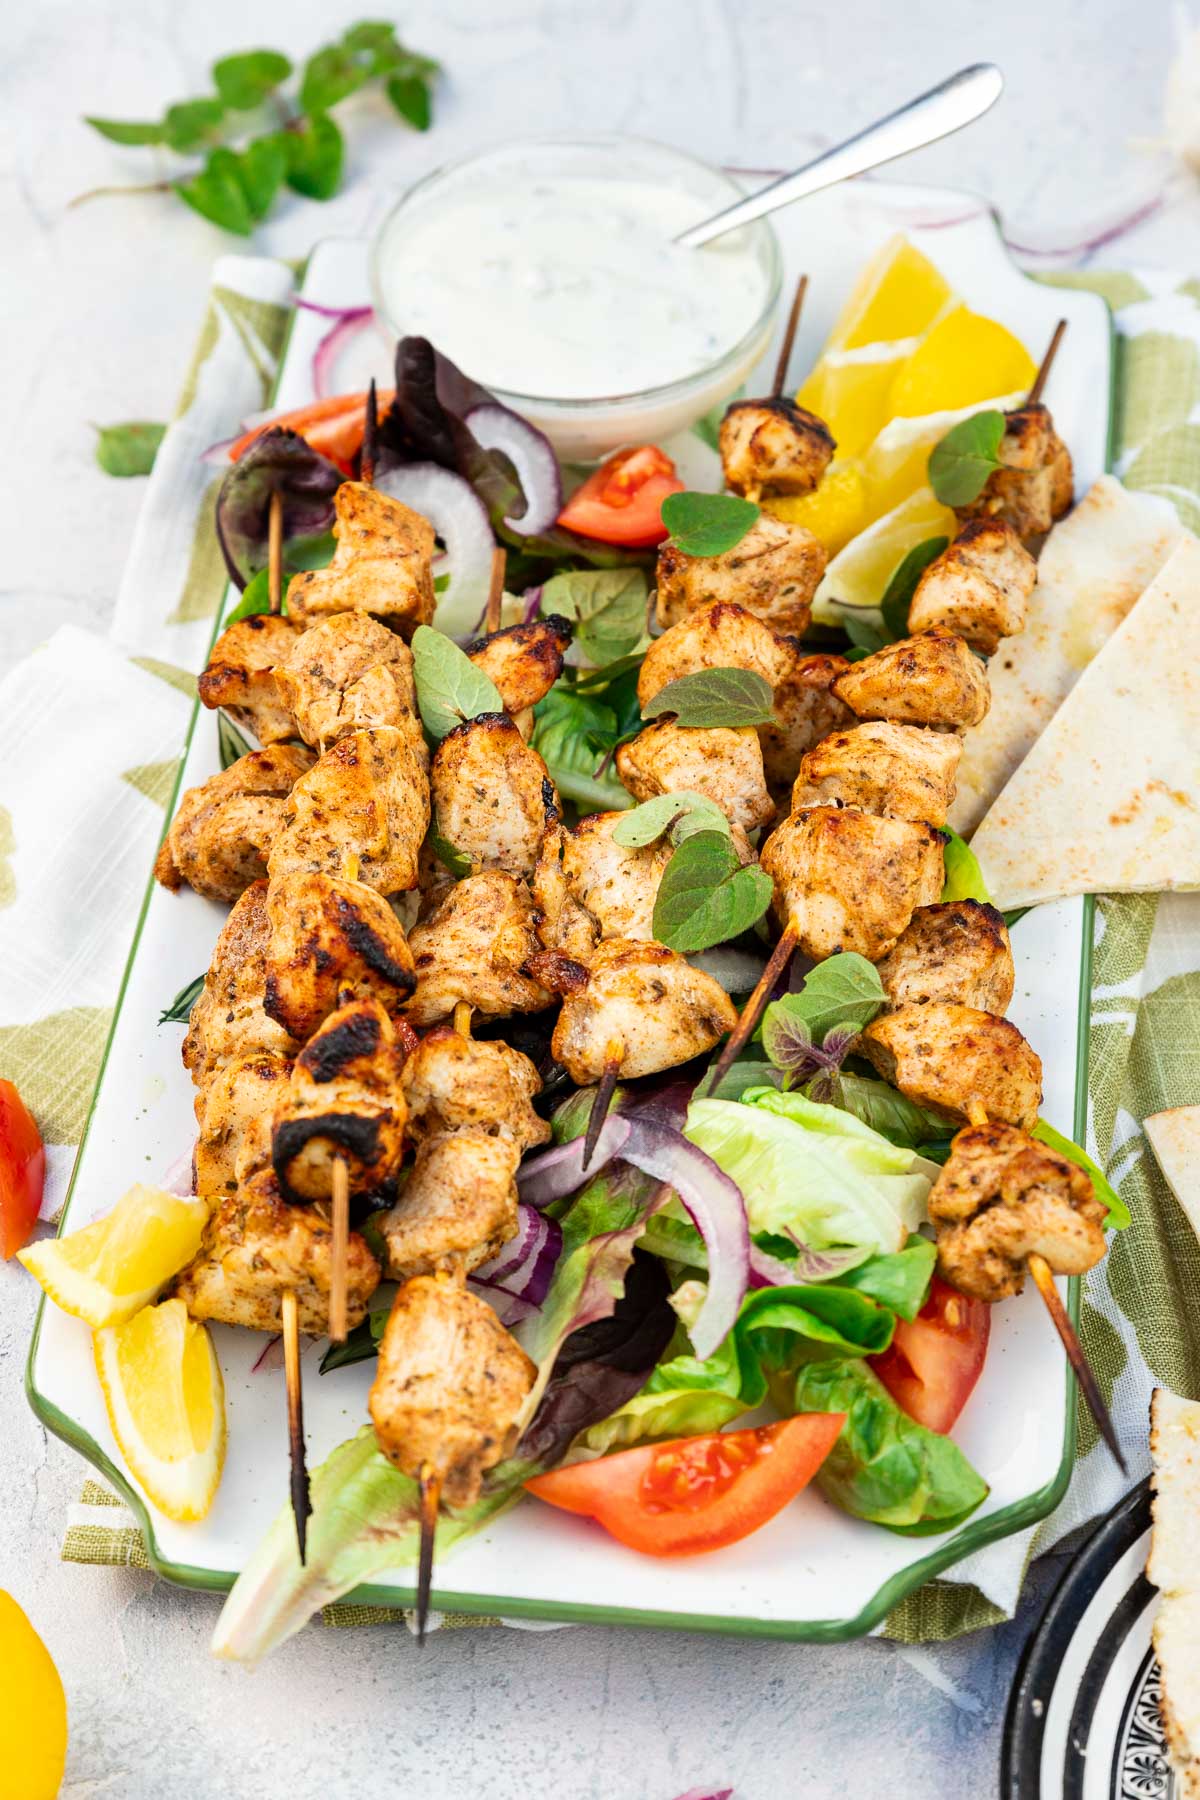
[[945, 108]]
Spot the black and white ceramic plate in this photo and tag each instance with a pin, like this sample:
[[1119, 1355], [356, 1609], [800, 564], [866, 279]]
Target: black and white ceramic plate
[[1083, 1719]]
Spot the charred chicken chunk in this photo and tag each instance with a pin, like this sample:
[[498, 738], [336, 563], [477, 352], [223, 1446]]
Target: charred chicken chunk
[[1003, 1197], [474, 946], [806, 710], [222, 834], [933, 680], [382, 564], [955, 1058], [979, 588], [492, 794], [254, 1246], [644, 997], [240, 676], [524, 661], [347, 673], [458, 1206], [456, 1083], [898, 771], [773, 572], [344, 1099], [229, 1020], [587, 887], [331, 940], [846, 880], [449, 1388], [773, 447], [361, 812], [1035, 482], [723, 636], [957, 951], [234, 1110], [723, 764]]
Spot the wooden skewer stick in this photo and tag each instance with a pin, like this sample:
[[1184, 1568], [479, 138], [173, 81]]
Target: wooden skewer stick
[[370, 442], [752, 1011], [431, 1493], [606, 1087], [339, 1250], [1043, 1279], [1043, 374], [275, 550], [462, 1017], [495, 599], [301, 1497], [789, 338]]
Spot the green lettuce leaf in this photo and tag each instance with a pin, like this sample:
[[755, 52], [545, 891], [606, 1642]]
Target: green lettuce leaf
[[1119, 1215]]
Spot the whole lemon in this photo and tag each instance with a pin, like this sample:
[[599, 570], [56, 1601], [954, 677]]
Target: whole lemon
[[33, 1710]]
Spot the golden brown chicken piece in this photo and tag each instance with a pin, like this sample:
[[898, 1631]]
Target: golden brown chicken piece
[[774, 572], [524, 661], [449, 1387], [382, 564], [331, 940], [1003, 1197], [234, 1112], [957, 951], [934, 679], [344, 1099], [254, 1246], [229, 1020], [978, 588], [222, 834], [953, 1058], [1035, 483], [723, 764], [361, 812], [457, 1208], [846, 880], [773, 447], [586, 887], [898, 771], [492, 794], [642, 996], [722, 636], [806, 710], [346, 673], [240, 676], [457, 1083], [474, 946]]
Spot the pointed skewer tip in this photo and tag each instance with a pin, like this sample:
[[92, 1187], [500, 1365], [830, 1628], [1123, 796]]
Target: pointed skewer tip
[[743, 1031], [606, 1087], [431, 1493], [301, 1496]]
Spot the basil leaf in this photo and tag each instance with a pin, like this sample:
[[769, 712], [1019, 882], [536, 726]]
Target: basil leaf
[[706, 896], [127, 131], [190, 123], [607, 605], [412, 98], [1118, 1213], [450, 688], [217, 194], [711, 697], [330, 75], [897, 595], [231, 745], [963, 878], [244, 81], [128, 449], [449, 855], [683, 814], [315, 157], [843, 992], [574, 735], [707, 524], [960, 464], [180, 1010]]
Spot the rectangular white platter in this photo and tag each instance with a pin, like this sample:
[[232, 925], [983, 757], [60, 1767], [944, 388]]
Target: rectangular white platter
[[812, 1573]]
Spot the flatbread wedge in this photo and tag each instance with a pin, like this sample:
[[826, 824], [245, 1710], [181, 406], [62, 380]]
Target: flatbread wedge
[[1108, 799], [1092, 569], [1174, 1137], [1174, 1568]]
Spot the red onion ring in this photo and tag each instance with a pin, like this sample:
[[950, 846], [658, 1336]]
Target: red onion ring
[[496, 427], [180, 1178], [460, 519], [558, 1172], [524, 1266], [348, 321]]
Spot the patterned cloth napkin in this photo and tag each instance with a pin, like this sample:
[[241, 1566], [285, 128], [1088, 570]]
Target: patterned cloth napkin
[[82, 792]]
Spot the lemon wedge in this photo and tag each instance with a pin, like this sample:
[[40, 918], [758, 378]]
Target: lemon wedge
[[33, 1710], [852, 391], [835, 510], [106, 1272], [859, 574], [166, 1404], [898, 295], [897, 464], [963, 360]]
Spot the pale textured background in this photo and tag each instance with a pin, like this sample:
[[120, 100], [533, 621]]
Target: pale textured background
[[99, 309]]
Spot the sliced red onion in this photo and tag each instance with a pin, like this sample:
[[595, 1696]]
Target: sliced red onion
[[496, 427], [533, 601], [271, 1356], [180, 1178], [460, 519], [218, 453], [558, 1172], [707, 1794], [510, 1309], [348, 321], [526, 1263]]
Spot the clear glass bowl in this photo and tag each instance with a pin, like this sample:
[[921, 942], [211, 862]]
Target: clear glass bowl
[[585, 430]]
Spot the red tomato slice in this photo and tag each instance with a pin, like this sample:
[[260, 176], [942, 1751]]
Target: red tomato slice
[[622, 502], [697, 1493], [333, 427], [933, 1363], [22, 1171]]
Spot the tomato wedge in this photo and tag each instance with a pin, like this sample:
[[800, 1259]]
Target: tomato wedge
[[333, 427], [697, 1493], [621, 503], [22, 1171], [932, 1363]]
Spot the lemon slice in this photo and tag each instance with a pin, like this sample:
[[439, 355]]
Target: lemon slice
[[166, 1404], [106, 1272], [852, 391], [963, 360], [33, 1711], [897, 464], [859, 574], [898, 295], [835, 510]]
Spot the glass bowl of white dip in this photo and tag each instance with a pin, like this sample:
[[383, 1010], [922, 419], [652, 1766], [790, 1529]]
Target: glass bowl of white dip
[[546, 270]]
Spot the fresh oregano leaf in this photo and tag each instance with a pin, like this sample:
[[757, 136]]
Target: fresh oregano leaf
[[961, 462], [707, 524], [897, 595], [262, 166], [315, 157], [607, 605], [449, 686], [862, 628], [683, 814], [217, 194], [844, 991], [329, 76], [180, 1009], [243, 81], [729, 697], [574, 735], [256, 598], [128, 449], [706, 896], [412, 98], [128, 131], [963, 876], [190, 123], [230, 743]]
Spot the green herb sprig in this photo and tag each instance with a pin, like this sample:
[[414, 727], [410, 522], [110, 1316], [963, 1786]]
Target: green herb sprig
[[715, 697], [707, 524], [450, 689], [961, 462], [706, 896]]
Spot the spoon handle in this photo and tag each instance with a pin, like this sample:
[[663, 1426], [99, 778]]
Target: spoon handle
[[945, 108]]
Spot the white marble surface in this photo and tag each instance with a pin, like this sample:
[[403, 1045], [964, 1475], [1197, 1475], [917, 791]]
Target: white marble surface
[[99, 308]]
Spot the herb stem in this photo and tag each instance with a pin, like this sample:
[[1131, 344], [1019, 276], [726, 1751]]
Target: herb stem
[[100, 193]]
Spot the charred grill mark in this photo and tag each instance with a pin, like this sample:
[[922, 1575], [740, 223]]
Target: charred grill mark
[[798, 417], [356, 1134], [560, 974], [330, 1054], [366, 942]]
